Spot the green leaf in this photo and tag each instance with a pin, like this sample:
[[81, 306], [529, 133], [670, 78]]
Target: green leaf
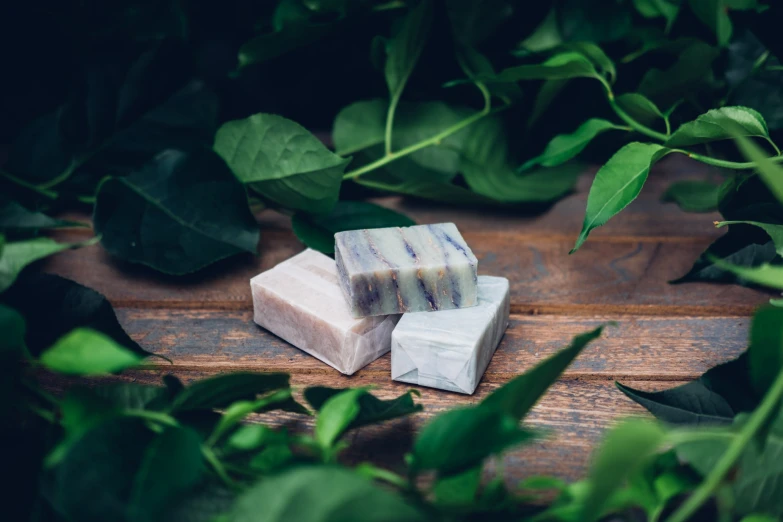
[[320, 494], [241, 409], [405, 48], [336, 414], [720, 124], [476, 66], [372, 410], [765, 353], [558, 67], [691, 71], [17, 255], [223, 390], [600, 20], [177, 214], [544, 98], [775, 231], [87, 352], [317, 232], [640, 108], [12, 340], [668, 9], [134, 396], [16, 218], [693, 196], [617, 184], [765, 275], [564, 147], [463, 437], [624, 450], [282, 161], [714, 14], [459, 489], [770, 172], [485, 167], [359, 125], [133, 472], [518, 396], [596, 55], [545, 37], [69, 305]]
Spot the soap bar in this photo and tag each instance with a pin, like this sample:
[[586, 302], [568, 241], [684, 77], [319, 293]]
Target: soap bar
[[301, 301], [450, 350], [412, 269]]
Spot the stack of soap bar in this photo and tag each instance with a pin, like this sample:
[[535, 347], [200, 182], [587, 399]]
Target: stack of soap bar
[[450, 350], [398, 270], [301, 301]]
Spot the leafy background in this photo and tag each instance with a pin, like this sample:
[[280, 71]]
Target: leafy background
[[174, 123]]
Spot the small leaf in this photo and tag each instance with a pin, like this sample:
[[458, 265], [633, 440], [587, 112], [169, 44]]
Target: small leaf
[[693, 196], [518, 396], [87, 352], [564, 147], [623, 451], [371, 409], [775, 231], [558, 67], [177, 214], [640, 108], [17, 255], [282, 161], [336, 415], [720, 124], [223, 390], [405, 48], [15, 218], [765, 353], [317, 232], [617, 184], [320, 494]]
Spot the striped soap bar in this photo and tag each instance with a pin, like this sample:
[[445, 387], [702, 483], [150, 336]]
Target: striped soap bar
[[399, 270], [301, 301]]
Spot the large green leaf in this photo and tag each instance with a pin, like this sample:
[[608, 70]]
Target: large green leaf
[[405, 48], [320, 494], [720, 124], [317, 232], [617, 184], [564, 147], [87, 352], [223, 390], [282, 161], [177, 214], [560, 66], [371, 409], [121, 470], [693, 195], [17, 255], [69, 305]]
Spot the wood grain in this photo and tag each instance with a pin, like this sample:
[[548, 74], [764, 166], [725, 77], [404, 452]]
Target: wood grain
[[639, 347]]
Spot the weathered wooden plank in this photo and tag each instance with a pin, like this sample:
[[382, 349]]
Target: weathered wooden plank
[[575, 413], [637, 348], [603, 277]]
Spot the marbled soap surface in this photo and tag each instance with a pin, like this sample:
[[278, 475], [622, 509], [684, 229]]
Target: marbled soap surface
[[422, 268], [300, 301], [451, 350]]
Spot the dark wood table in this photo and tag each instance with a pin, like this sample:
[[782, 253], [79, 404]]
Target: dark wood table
[[666, 335]]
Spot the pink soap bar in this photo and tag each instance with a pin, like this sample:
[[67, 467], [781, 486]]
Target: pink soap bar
[[300, 300]]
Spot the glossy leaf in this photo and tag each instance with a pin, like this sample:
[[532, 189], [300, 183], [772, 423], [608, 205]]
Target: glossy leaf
[[640, 108], [405, 47], [558, 67], [371, 409], [282, 161], [617, 184], [765, 274], [719, 124], [223, 390], [177, 214], [336, 414], [320, 494], [87, 352], [317, 232], [69, 305], [17, 255], [564, 147], [693, 196]]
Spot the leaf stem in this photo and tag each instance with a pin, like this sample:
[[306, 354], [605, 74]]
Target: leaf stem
[[723, 163], [154, 416], [42, 191], [713, 480], [434, 140], [387, 136], [638, 127]]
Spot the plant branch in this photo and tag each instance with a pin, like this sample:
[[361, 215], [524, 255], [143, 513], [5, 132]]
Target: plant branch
[[434, 140], [714, 478], [387, 136], [723, 163], [635, 125], [42, 191]]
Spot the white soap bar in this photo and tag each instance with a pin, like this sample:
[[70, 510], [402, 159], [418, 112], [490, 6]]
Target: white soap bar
[[300, 300], [450, 350]]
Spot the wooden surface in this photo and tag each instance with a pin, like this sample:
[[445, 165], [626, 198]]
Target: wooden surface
[[666, 335]]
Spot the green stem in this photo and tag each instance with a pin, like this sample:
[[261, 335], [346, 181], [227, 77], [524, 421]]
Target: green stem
[[714, 478], [387, 137], [723, 163], [434, 140], [217, 466], [154, 416], [46, 193], [635, 125]]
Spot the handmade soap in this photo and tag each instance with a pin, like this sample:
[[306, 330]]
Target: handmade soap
[[301, 301], [450, 350], [398, 270]]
